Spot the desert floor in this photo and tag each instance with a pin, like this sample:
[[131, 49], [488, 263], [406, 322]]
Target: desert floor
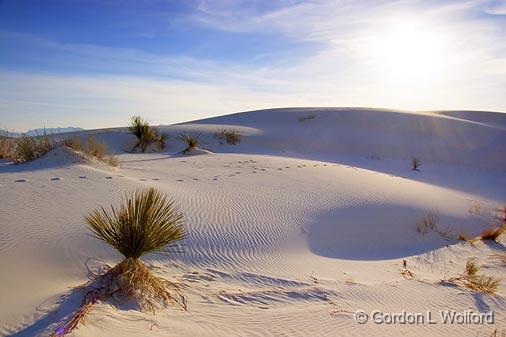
[[290, 232]]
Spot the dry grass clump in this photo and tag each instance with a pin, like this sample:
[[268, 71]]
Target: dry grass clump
[[428, 222], [28, 148], [145, 222], [415, 163], [232, 137], [493, 233], [6, 145], [472, 280], [91, 148], [145, 134], [191, 141]]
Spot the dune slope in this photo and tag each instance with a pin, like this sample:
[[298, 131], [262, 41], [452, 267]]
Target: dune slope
[[290, 232]]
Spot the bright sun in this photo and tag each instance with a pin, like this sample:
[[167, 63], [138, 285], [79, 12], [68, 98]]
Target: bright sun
[[408, 53]]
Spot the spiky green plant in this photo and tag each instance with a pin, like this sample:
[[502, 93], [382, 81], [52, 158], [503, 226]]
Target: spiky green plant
[[147, 221], [140, 128], [191, 141], [415, 163]]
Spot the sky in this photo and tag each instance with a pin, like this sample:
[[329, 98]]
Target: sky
[[95, 63]]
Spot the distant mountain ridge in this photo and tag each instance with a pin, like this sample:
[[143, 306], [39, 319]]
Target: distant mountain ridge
[[41, 131]]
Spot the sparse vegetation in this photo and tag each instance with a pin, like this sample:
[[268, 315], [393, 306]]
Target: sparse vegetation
[[145, 134], [191, 141], [472, 280], [6, 145], [147, 221], [91, 148], [492, 233], [28, 148], [415, 163], [428, 222], [306, 118], [232, 137]]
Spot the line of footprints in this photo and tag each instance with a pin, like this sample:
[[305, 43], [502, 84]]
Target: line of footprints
[[255, 170]]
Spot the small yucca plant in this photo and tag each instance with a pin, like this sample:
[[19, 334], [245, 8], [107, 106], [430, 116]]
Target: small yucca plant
[[415, 163], [140, 128], [147, 221], [145, 134], [191, 141]]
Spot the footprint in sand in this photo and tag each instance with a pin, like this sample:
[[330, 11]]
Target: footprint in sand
[[287, 166], [238, 173], [215, 178], [262, 169], [108, 177], [180, 180], [195, 179], [56, 178], [143, 179], [83, 177], [254, 172], [280, 169], [20, 181], [155, 179], [324, 164]]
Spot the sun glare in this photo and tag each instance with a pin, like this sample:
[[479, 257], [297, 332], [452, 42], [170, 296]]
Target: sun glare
[[409, 53]]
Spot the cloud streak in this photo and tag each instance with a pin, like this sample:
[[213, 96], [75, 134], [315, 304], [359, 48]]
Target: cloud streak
[[345, 68]]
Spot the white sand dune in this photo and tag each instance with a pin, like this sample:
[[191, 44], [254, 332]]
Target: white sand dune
[[289, 232]]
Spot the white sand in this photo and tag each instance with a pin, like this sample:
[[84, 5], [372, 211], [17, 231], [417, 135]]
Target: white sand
[[290, 232]]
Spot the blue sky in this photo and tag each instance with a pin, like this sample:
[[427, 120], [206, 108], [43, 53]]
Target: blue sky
[[94, 63]]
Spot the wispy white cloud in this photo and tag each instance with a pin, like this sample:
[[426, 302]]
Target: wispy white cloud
[[352, 65]]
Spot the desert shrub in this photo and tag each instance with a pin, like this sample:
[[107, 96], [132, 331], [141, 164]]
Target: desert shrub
[[145, 134], [429, 221], [472, 280], [415, 163], [191, 141], [232, 137], [28, 148], [161, 139], [91, 148], [492, 233], [147, 221], [6, 145], [306, 118]]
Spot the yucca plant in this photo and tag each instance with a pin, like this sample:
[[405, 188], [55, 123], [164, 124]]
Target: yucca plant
[[145, 134], [191, 141], [140, 128], [415, 163], [147, 221]]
